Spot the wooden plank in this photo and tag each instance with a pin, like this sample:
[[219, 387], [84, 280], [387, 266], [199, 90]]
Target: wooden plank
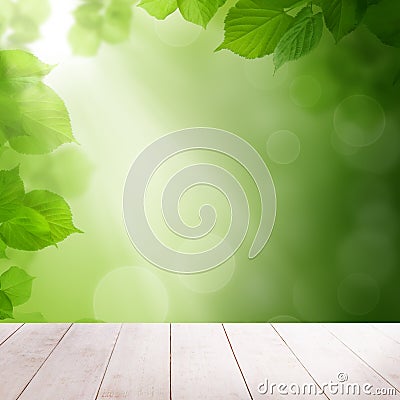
[[140, 365], [23, 354], [76, 367], [377, 350], [202, 364], [264, 358], [6, 330], [325, 357], [389, 329]]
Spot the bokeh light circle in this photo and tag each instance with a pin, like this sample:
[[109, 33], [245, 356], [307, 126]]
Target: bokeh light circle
[[176, 32], [131, 294], [358, 294], [359, 120], [283, 318], [305, 91], [283, 147]]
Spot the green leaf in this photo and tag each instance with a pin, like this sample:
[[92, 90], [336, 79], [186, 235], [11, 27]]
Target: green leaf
[[56, 212], [253, 29], [20, 67], [28, 230], [117, 22], [343, 16], [159, 9], [11, 193], [199, 12], [44, 121], [3, 248], [303, 36], [6, 308], [17, 285], [383, 20], [286, 3], [84, 41]]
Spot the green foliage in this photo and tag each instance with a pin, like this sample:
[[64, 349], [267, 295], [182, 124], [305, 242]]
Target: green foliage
[[343, 16], [33, 118], [11, 194], [97, 21], [34, 220], [55, 210], [383, 19], [17, 285], [199, 12], [20, 20], [19, 67], [3, 248], [27, 230], [6, 307], [44, 121], [303, 36], [159, 9], [255, 28], [15, 289]]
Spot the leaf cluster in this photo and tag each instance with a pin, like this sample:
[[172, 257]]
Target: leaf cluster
[[288, 29], [33, 120], [31, 221]]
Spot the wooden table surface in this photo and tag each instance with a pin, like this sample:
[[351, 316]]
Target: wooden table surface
[[195, 361]]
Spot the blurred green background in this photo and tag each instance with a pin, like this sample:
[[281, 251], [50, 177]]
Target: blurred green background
[[327, 127]]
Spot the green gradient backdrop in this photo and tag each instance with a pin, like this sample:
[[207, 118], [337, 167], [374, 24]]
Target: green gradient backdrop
[[334, 251]]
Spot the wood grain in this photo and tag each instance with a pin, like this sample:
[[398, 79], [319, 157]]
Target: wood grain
[[203, 366], [325, 357], [24, 353], [194, 361], [76, 368], [389, 329], [6, 330], [140, 365], [377, 350], [265, 358]]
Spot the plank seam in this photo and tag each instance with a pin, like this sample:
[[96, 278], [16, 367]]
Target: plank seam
[[237, 362], [108, 362], [384, 333], [44, 361], [298, 359], [358, 356], [11, 334]]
